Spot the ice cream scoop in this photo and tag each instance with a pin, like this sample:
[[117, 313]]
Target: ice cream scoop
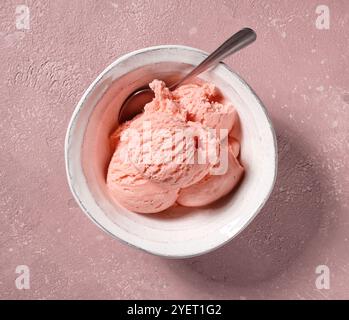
[[134, 192], [134, 103], [164, 155], [212, 187], [175, 150]]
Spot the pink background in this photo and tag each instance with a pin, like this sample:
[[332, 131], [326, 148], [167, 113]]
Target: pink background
[[300, 73]]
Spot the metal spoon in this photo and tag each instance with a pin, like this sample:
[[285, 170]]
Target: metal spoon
[[136, 100]]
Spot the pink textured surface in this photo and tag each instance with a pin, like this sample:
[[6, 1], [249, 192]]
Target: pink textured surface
[[299, 72]]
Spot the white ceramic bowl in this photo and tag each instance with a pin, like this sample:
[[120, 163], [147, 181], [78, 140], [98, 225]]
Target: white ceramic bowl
[[179, 232]]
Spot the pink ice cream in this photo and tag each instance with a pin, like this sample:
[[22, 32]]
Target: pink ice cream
[[203, 106], [162, 166], [133, 191], [170, 152], [212, 187]]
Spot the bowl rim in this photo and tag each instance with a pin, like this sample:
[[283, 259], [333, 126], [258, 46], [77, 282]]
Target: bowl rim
[[79, 106]]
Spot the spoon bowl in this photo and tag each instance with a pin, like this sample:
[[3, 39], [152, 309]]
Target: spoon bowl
[[134, 103]]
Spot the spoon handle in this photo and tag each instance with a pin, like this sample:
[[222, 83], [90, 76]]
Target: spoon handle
[[237, 41]]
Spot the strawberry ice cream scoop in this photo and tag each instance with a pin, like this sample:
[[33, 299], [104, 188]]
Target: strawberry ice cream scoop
[[129, 188], [203, 105], [212, 187], [167, 153], [164, 155]]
